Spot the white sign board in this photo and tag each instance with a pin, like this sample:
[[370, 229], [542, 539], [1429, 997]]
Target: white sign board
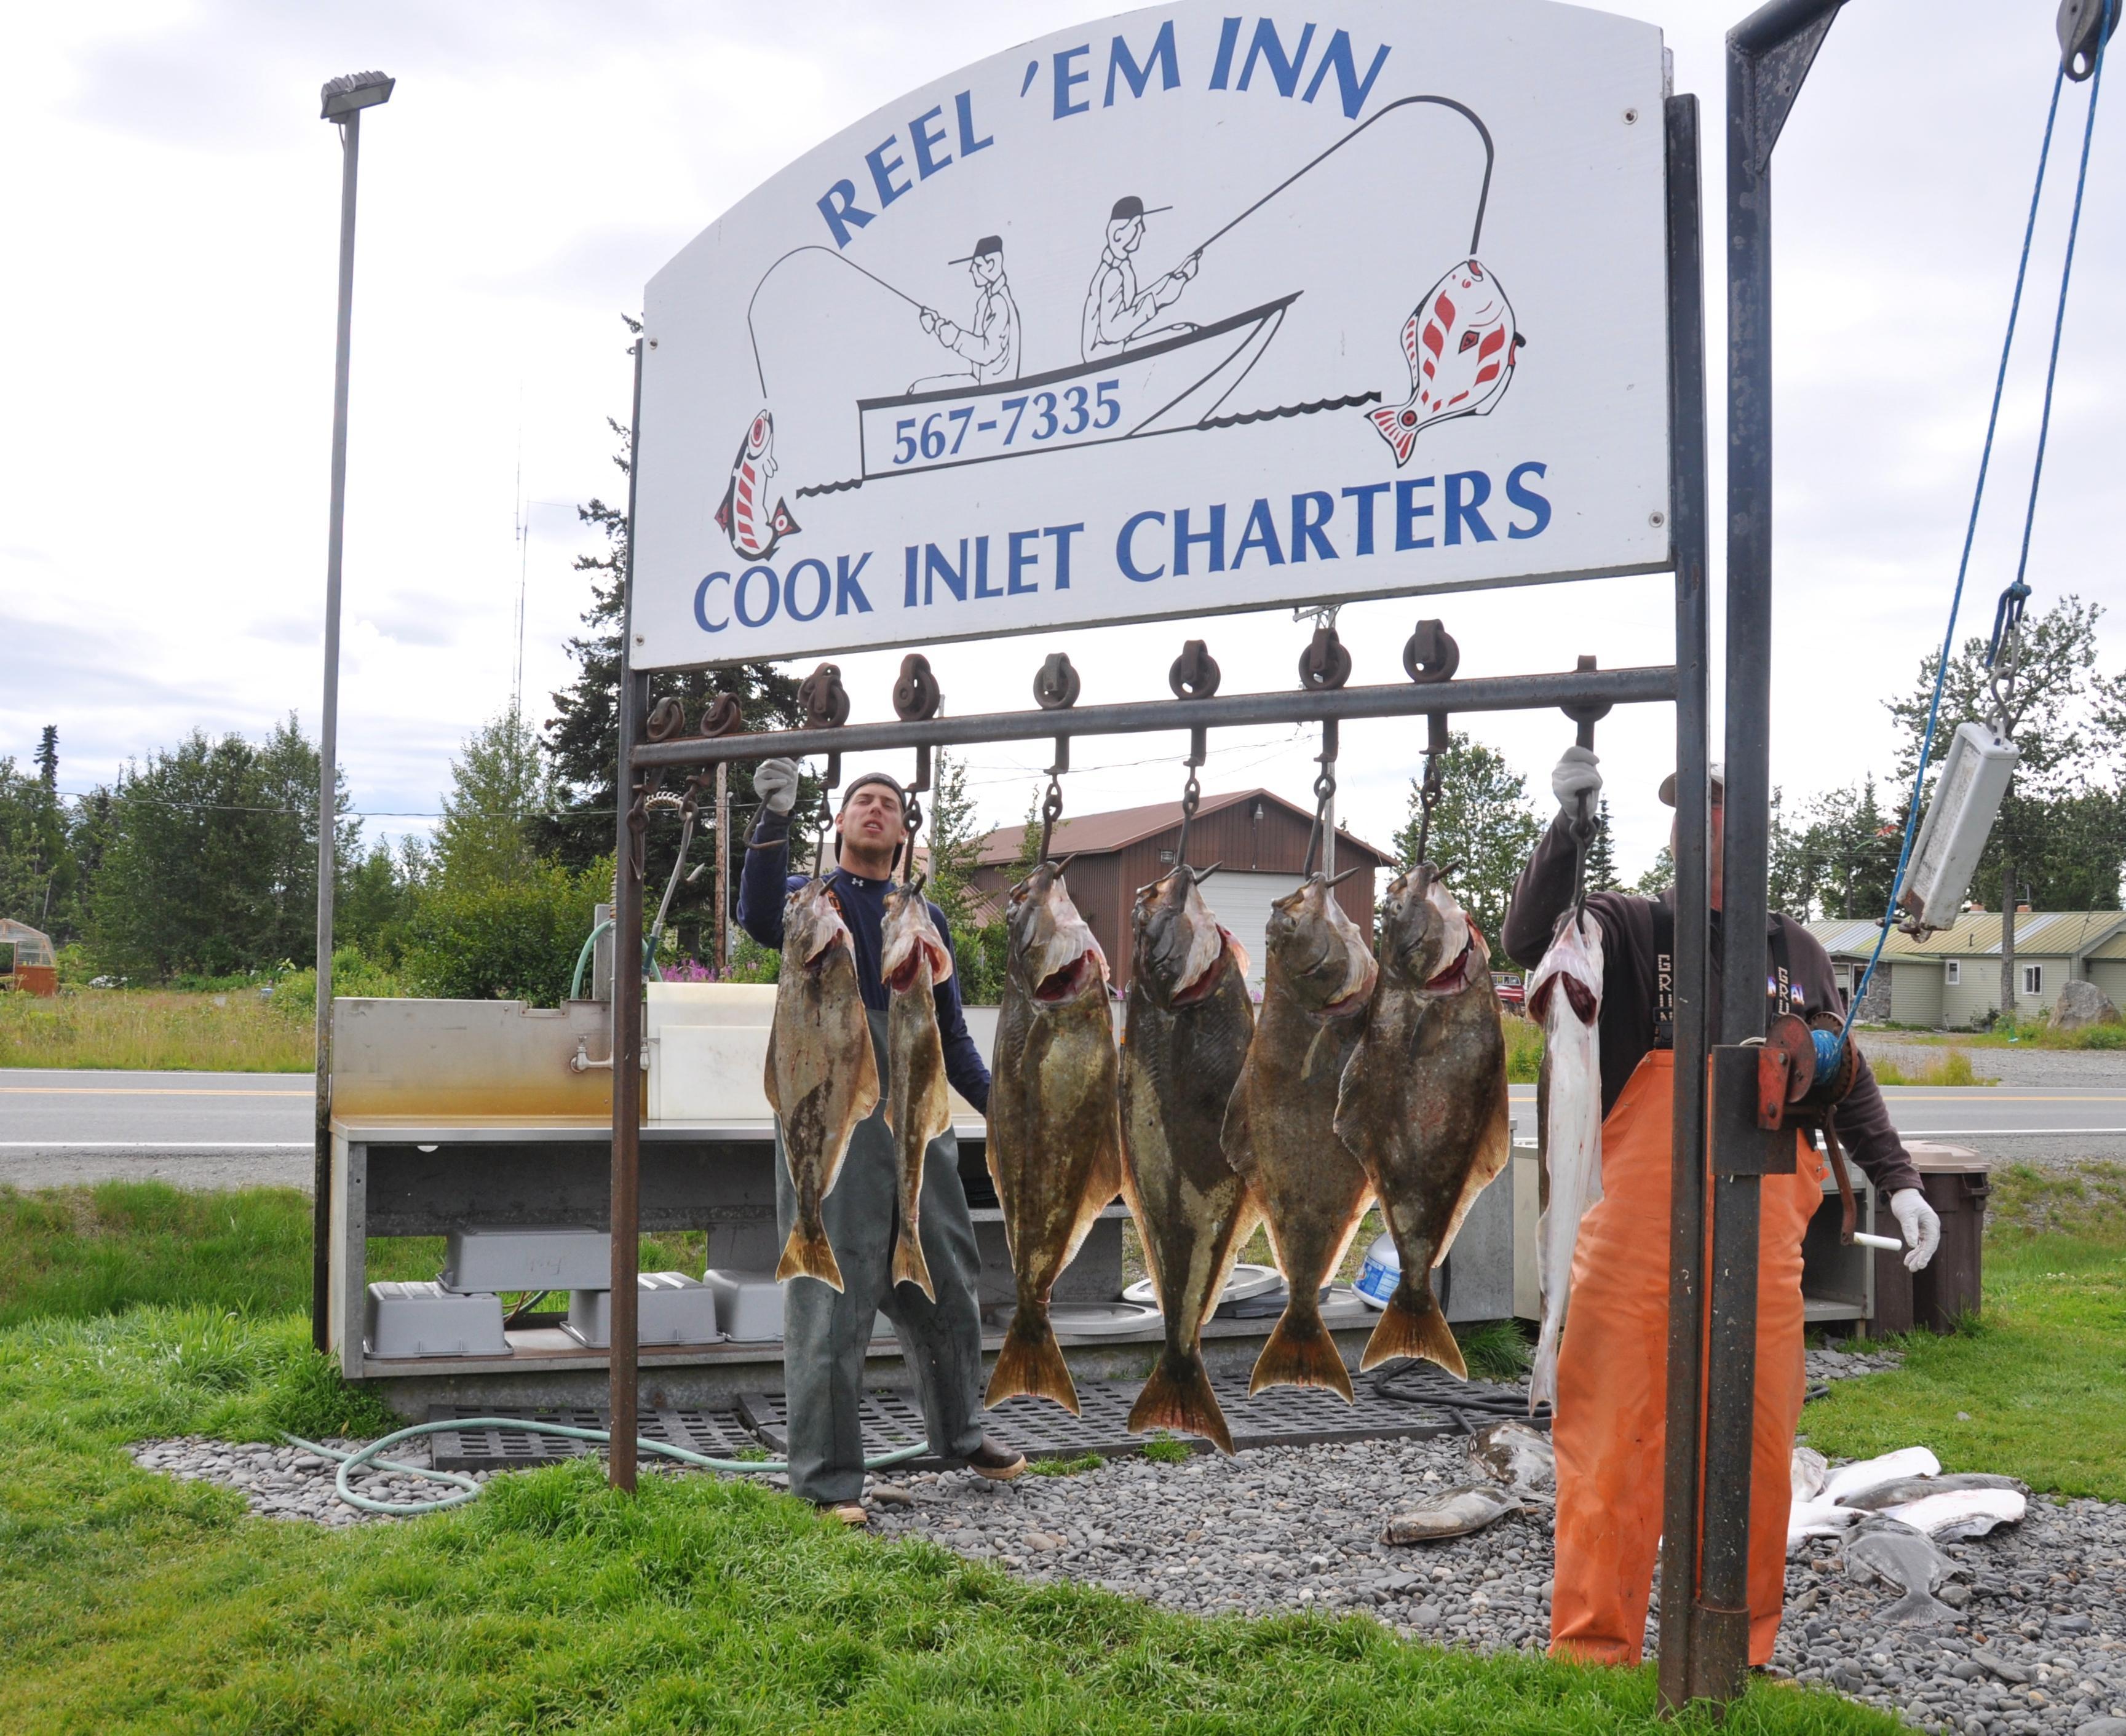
[[1177, 313]]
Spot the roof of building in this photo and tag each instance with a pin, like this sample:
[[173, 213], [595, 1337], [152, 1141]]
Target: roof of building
[[1096, 834], [1977, 933]]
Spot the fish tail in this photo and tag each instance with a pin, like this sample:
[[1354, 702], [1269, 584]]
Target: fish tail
[[908, 1265], [1179, 1396], [1413, 1325], [1919, 1608], [1542, 1378], [1301, 1353], [1031, 1361], [807, 1254], [1388, 424]]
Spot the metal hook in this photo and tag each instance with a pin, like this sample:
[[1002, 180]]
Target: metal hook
[[1322, 835], [1051, 804], [1192, 792], [1436, 743]]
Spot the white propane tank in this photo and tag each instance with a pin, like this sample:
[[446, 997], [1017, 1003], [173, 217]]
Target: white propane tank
[[1967, 797]]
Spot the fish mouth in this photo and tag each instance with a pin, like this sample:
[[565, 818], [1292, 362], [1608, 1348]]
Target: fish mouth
[[1351, 1000], [1068, 983], [901, 978], [1456, 975], [1199, 987]]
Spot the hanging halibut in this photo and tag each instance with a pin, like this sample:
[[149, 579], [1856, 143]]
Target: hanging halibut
[[1055, 1149], [1280, 1127], [822, 1077], [1422, 1104], [1185, 1036], [1565, 994], [912, 960]]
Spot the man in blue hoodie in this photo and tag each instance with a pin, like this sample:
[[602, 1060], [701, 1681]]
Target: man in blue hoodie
[[825, 1333]]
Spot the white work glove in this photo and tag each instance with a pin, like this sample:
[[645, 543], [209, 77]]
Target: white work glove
[[1574, 775], [1922, 1228], [775, 782]]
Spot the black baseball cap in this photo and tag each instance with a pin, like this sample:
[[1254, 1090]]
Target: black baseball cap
[[890, 782], [1130, 205], [987, 245]]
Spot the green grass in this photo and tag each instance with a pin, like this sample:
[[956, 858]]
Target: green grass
[[2035, 1387], [1066, 1467], [1166, 1449], [130, 1602], [76, 1251], [159, 1029], [2021, 1034], [1523, 1049], [1952, 1068]]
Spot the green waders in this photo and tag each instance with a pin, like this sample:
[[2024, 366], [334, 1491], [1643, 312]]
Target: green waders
[[824, 1334]]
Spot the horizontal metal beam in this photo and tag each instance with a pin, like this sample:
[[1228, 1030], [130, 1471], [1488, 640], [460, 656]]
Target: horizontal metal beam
[[1403, 699]]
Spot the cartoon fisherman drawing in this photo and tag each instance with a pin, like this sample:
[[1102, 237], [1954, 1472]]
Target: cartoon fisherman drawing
[[744, 516], [989, 341], [1117, 314]]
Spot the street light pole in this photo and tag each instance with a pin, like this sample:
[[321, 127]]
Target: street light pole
[[342, 101]]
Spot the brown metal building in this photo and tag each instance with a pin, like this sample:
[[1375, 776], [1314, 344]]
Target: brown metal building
[[1258, 837]]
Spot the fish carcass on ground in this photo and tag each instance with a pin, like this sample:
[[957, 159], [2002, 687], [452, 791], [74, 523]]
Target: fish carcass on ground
[[821, 1077], [1054, 1144], [1422, 1104], [1280, 1133], [1882, 1549], [1565, 995], [1454, 1513], [1185, 1034], [913, 959]]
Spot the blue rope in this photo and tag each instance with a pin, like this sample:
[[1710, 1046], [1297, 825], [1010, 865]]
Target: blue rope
[[2013, 598]]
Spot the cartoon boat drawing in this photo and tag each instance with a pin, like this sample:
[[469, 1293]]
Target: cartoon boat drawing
[[1177, 382]]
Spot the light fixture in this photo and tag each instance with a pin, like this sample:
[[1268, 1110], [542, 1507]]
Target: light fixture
[[343, 96]]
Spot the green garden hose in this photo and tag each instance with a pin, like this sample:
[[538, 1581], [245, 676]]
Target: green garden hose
[[583, 960], [362, 1457]]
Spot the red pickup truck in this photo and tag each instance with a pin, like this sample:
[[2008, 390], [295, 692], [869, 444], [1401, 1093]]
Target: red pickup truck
[[1513, 993]]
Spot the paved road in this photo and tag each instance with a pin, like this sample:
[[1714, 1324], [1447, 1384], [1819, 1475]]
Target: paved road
[[229, 1130], [198, 1129]]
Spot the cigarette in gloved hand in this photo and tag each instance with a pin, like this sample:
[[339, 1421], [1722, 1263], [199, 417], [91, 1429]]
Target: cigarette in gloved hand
[[1889, 1243]]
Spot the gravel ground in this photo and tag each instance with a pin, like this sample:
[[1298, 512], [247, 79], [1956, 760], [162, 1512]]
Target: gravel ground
[[1297, 1528]]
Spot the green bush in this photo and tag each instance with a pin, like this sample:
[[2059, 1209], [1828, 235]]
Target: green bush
[[514, 940]]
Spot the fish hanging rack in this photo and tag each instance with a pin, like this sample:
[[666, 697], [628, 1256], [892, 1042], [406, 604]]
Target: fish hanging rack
[[1431, 689]]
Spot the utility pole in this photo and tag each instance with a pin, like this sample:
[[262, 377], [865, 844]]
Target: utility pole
[[722, 930], [343, 100]]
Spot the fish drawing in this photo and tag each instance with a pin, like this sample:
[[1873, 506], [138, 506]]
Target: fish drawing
[[744, 516], [1461, 343]]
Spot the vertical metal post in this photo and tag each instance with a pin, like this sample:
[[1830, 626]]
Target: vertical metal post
[[628, 823], [1768, 56], [723, 866], [350, 140], [1690, 529]]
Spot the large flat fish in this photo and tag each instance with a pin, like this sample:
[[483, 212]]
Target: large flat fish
[[913, 959], [1423, 1102], [1565, 994], [1952, 1515], [1055, 1147], [1185, 1034], [1850, 1481], [1516, 1456], [1879, 1549], [822, 1077], [1901, 1489], [1280, 1127]]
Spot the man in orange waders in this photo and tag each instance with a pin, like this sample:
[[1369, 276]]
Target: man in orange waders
[[1612, 1367]]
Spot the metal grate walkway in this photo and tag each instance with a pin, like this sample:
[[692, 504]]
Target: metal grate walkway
[[1412, 1402]]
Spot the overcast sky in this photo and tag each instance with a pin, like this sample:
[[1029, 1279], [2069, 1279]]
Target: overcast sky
[[166, 368]]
